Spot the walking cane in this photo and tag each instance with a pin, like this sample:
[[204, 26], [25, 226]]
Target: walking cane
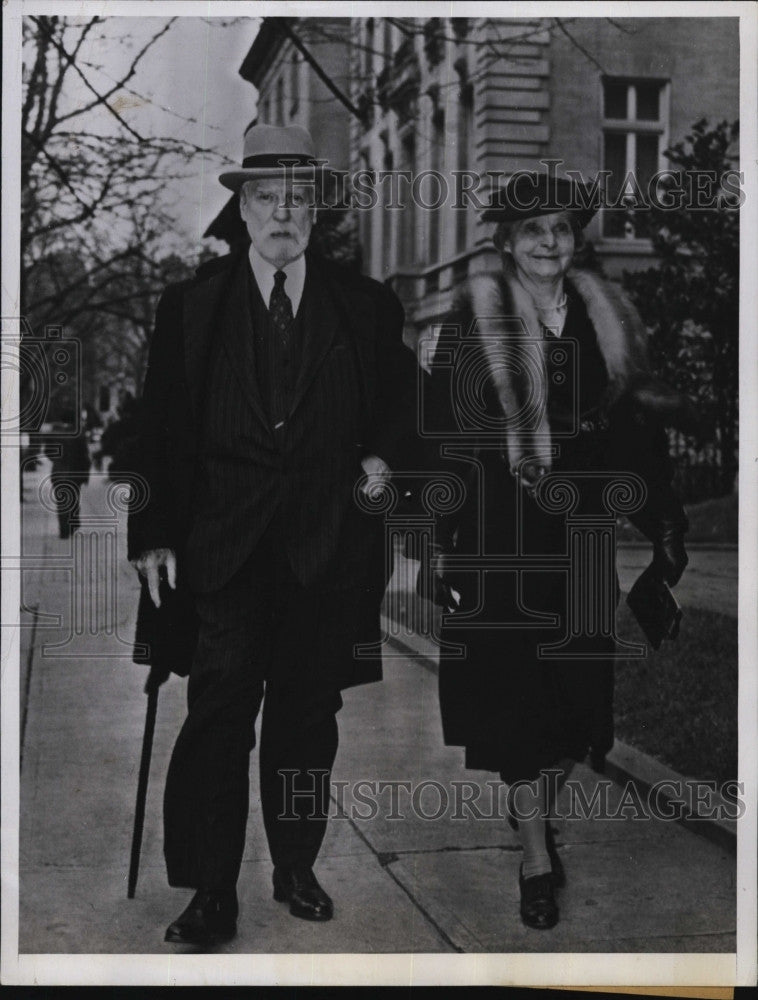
[[151, 689]]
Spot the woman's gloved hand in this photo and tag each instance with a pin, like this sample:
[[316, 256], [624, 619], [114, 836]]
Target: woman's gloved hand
[[669, 556], [432, 583]]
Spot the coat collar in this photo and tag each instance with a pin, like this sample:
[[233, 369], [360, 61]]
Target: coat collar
[[236, 331], [506, 313], [203, 298]]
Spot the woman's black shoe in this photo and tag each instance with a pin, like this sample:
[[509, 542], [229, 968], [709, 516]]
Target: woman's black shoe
[[538, 908], [559, 872]]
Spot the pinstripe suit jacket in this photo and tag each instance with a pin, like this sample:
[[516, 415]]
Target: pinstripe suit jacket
[[354, 396]]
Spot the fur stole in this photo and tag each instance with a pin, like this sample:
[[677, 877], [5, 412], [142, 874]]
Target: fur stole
[[506, 319]]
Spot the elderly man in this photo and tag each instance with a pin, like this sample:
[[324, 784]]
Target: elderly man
[[277, 382]]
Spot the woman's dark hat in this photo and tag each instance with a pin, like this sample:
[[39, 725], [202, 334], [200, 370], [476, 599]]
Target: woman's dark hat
[[528, 194]]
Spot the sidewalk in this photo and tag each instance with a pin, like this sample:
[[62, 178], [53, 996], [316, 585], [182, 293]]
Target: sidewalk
[[400, 884]]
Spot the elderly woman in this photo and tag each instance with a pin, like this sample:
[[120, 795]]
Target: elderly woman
[[539, 378]]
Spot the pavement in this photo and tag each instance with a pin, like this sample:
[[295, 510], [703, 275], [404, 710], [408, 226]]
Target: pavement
[[421, 874]]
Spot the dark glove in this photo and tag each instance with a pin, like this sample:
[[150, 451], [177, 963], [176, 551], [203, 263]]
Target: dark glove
[[669, 556], [431, 582]]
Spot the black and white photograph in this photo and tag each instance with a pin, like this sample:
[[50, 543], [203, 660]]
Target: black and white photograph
[[379, 510]]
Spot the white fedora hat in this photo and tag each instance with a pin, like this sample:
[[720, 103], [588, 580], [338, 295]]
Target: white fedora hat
[[274, 151]]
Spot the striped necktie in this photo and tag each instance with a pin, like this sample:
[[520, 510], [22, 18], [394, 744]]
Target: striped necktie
[[280, 307]]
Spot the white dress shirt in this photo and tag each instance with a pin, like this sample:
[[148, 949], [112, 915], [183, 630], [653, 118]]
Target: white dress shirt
[[264, 276]]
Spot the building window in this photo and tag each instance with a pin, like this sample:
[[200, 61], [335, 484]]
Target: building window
[[635, 134], [464, 158], [294, 84], [386, 39], [368, 51], [280, 101], [365, 219], [436, 163], [407, 217]]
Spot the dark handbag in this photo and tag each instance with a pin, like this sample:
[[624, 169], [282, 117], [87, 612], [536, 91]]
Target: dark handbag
[[655, 607]]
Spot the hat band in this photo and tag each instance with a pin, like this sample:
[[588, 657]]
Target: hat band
[[268, 161]]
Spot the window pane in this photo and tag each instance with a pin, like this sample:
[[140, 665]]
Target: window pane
[[614, 159], [294, 83], [646, 166], [648, 102], [647, 158], [615, 99], [280, 101], [408, 215], [464, 158], [368, 54], [437, 157]]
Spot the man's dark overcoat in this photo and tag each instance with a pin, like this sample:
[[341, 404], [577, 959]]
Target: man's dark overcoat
[[354, 396]]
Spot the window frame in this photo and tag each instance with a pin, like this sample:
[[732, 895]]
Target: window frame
[[294, 82], [630, 126]]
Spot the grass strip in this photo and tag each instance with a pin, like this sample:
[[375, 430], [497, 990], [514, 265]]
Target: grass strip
[[679, 704]]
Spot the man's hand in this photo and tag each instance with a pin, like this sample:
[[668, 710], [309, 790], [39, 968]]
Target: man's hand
[[377, 475], [149, 565]]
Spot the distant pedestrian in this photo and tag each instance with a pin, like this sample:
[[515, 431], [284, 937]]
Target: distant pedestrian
[[119, 438], [69, 456]]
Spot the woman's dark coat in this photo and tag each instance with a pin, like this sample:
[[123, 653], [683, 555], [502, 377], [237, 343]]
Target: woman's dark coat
[[514, 711]]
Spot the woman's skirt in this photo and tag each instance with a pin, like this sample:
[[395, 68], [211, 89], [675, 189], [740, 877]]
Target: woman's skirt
[[513, 704]]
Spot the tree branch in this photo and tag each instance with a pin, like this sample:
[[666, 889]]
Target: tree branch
[[287, 31], [578, 45], [103, 99]]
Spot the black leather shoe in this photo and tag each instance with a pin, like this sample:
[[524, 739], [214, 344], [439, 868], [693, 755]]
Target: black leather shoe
[[210, 918], [299, 887], [538, 908], [559, 872]]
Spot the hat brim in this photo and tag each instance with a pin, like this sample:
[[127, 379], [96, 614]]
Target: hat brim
[[510, 213], [234, 179]]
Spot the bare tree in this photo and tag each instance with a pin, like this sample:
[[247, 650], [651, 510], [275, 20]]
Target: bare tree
[[94, 215]]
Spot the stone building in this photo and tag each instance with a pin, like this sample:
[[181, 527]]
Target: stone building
[[501, 94], [440, 95]]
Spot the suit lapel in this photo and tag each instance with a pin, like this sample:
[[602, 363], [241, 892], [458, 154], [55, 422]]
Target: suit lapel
[[201, 302], [333, 304], [319, 327]]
